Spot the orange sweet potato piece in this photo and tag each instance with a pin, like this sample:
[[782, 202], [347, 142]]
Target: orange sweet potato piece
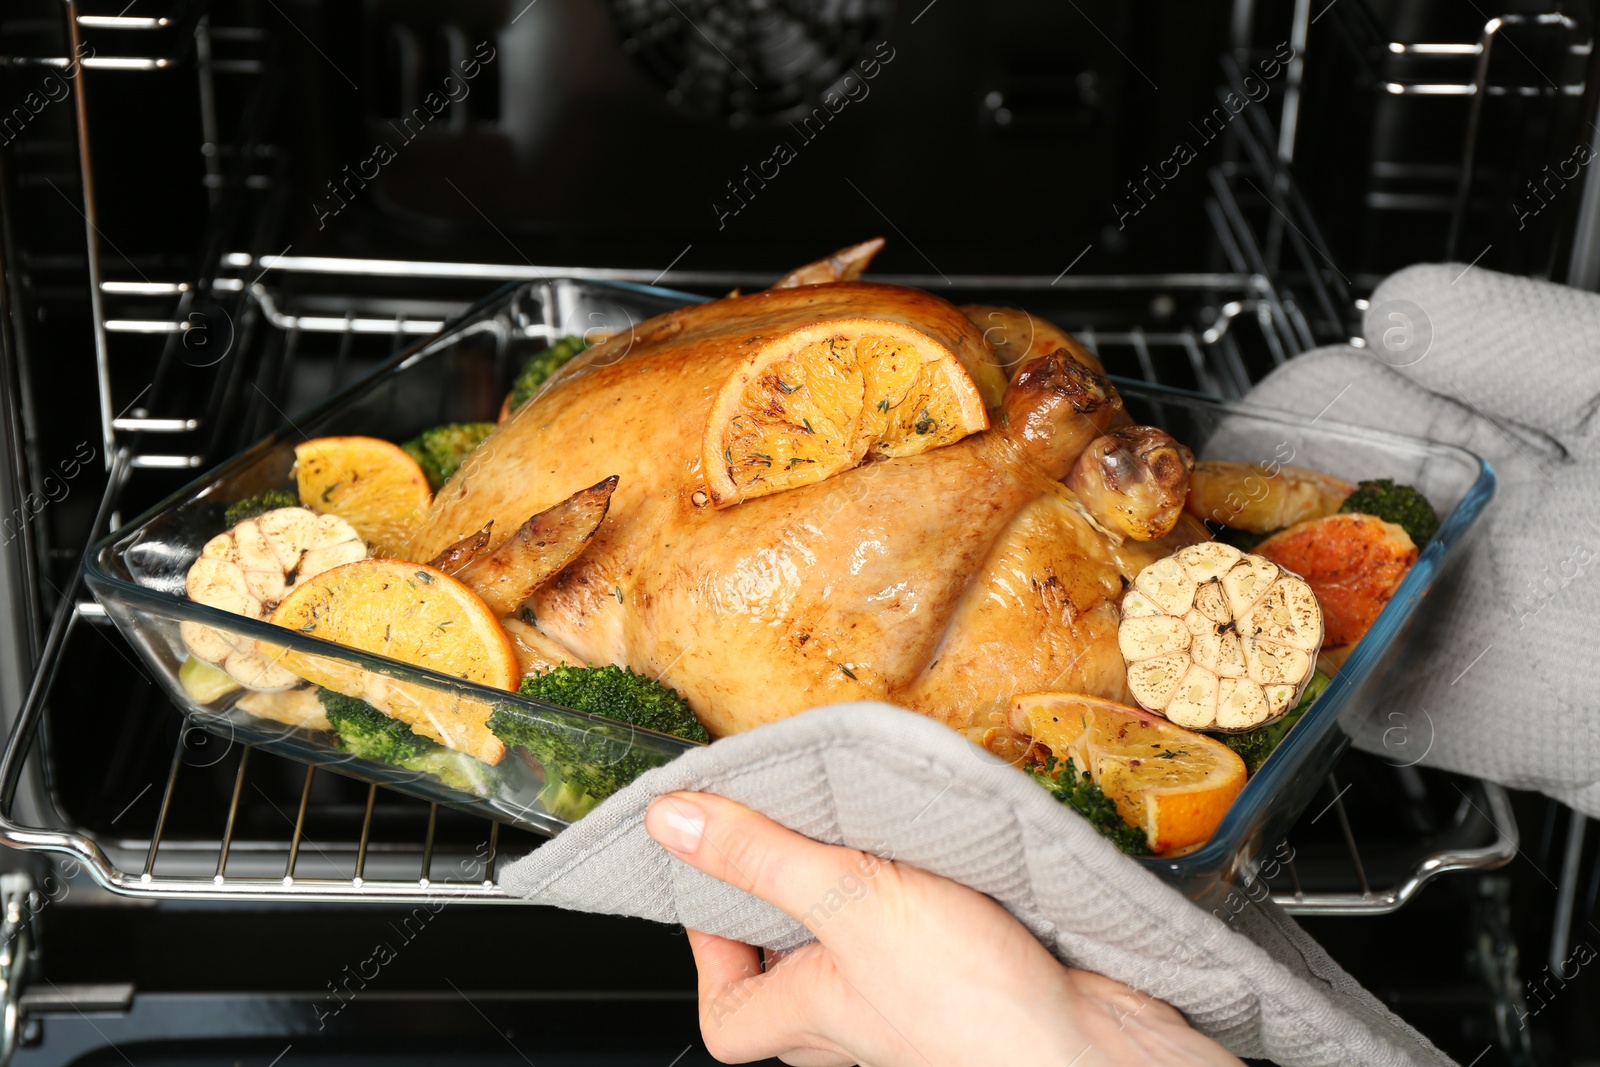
[[1353, 562]]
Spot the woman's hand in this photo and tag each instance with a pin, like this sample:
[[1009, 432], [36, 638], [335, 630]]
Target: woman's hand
[[908, 968]]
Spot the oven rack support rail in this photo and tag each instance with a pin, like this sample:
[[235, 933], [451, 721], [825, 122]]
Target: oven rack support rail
[[125, 34], [1376, 39]]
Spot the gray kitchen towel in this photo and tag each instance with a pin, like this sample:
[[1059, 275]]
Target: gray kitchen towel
[[900, 785], [1510, 369]]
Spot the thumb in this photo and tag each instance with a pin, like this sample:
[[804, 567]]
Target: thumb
[[746, 1014], [805, 879]]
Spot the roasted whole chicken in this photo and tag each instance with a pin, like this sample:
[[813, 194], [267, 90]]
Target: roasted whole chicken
[[832, 491]]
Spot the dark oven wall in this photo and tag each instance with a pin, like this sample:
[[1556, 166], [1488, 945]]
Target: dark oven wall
[[994, 137]]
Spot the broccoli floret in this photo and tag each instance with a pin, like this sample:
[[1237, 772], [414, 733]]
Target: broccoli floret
[[1254, 746], [455, 769], [585, 764], [616, 693], [1075, 790], [541, 366], [366, 732], [260, 504], [441, 450], [1399, 504], [562, 798]]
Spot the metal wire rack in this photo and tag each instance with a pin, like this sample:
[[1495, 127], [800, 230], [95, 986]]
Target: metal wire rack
[[1470, 68], [1220, 331], [248, 825]]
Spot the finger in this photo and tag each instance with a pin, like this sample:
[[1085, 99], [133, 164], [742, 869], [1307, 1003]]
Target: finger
[[809, 881], [723, 964], [747, 1015]]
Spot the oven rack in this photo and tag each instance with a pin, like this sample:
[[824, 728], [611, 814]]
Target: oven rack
[[1251, 323], [1445, 58], [182, 38], [296, 867]]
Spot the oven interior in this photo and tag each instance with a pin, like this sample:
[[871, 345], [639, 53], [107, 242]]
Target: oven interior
[[217, 213]]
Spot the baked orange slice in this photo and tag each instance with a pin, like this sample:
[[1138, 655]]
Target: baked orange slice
[[1174, 784], [418, 615], [818, 400], [368, 482]]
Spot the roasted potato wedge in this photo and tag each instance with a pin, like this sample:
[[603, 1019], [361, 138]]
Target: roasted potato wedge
[[845, 265], [508, 575], [536, 652], [292, 707], [463, 552], [1261, 497]]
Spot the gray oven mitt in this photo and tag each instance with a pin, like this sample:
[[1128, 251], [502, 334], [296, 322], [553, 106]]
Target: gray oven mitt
[[1510, 369], [900, 785]]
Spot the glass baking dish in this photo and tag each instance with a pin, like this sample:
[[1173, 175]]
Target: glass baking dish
[[463, 373], [1457, 482]]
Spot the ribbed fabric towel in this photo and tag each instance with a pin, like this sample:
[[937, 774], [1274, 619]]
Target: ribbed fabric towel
[[900, 785]]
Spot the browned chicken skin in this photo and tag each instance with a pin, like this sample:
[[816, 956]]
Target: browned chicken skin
[[945, 582], [1018, 337]]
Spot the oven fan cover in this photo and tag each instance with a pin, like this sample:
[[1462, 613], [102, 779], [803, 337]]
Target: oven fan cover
[[748, 61]]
